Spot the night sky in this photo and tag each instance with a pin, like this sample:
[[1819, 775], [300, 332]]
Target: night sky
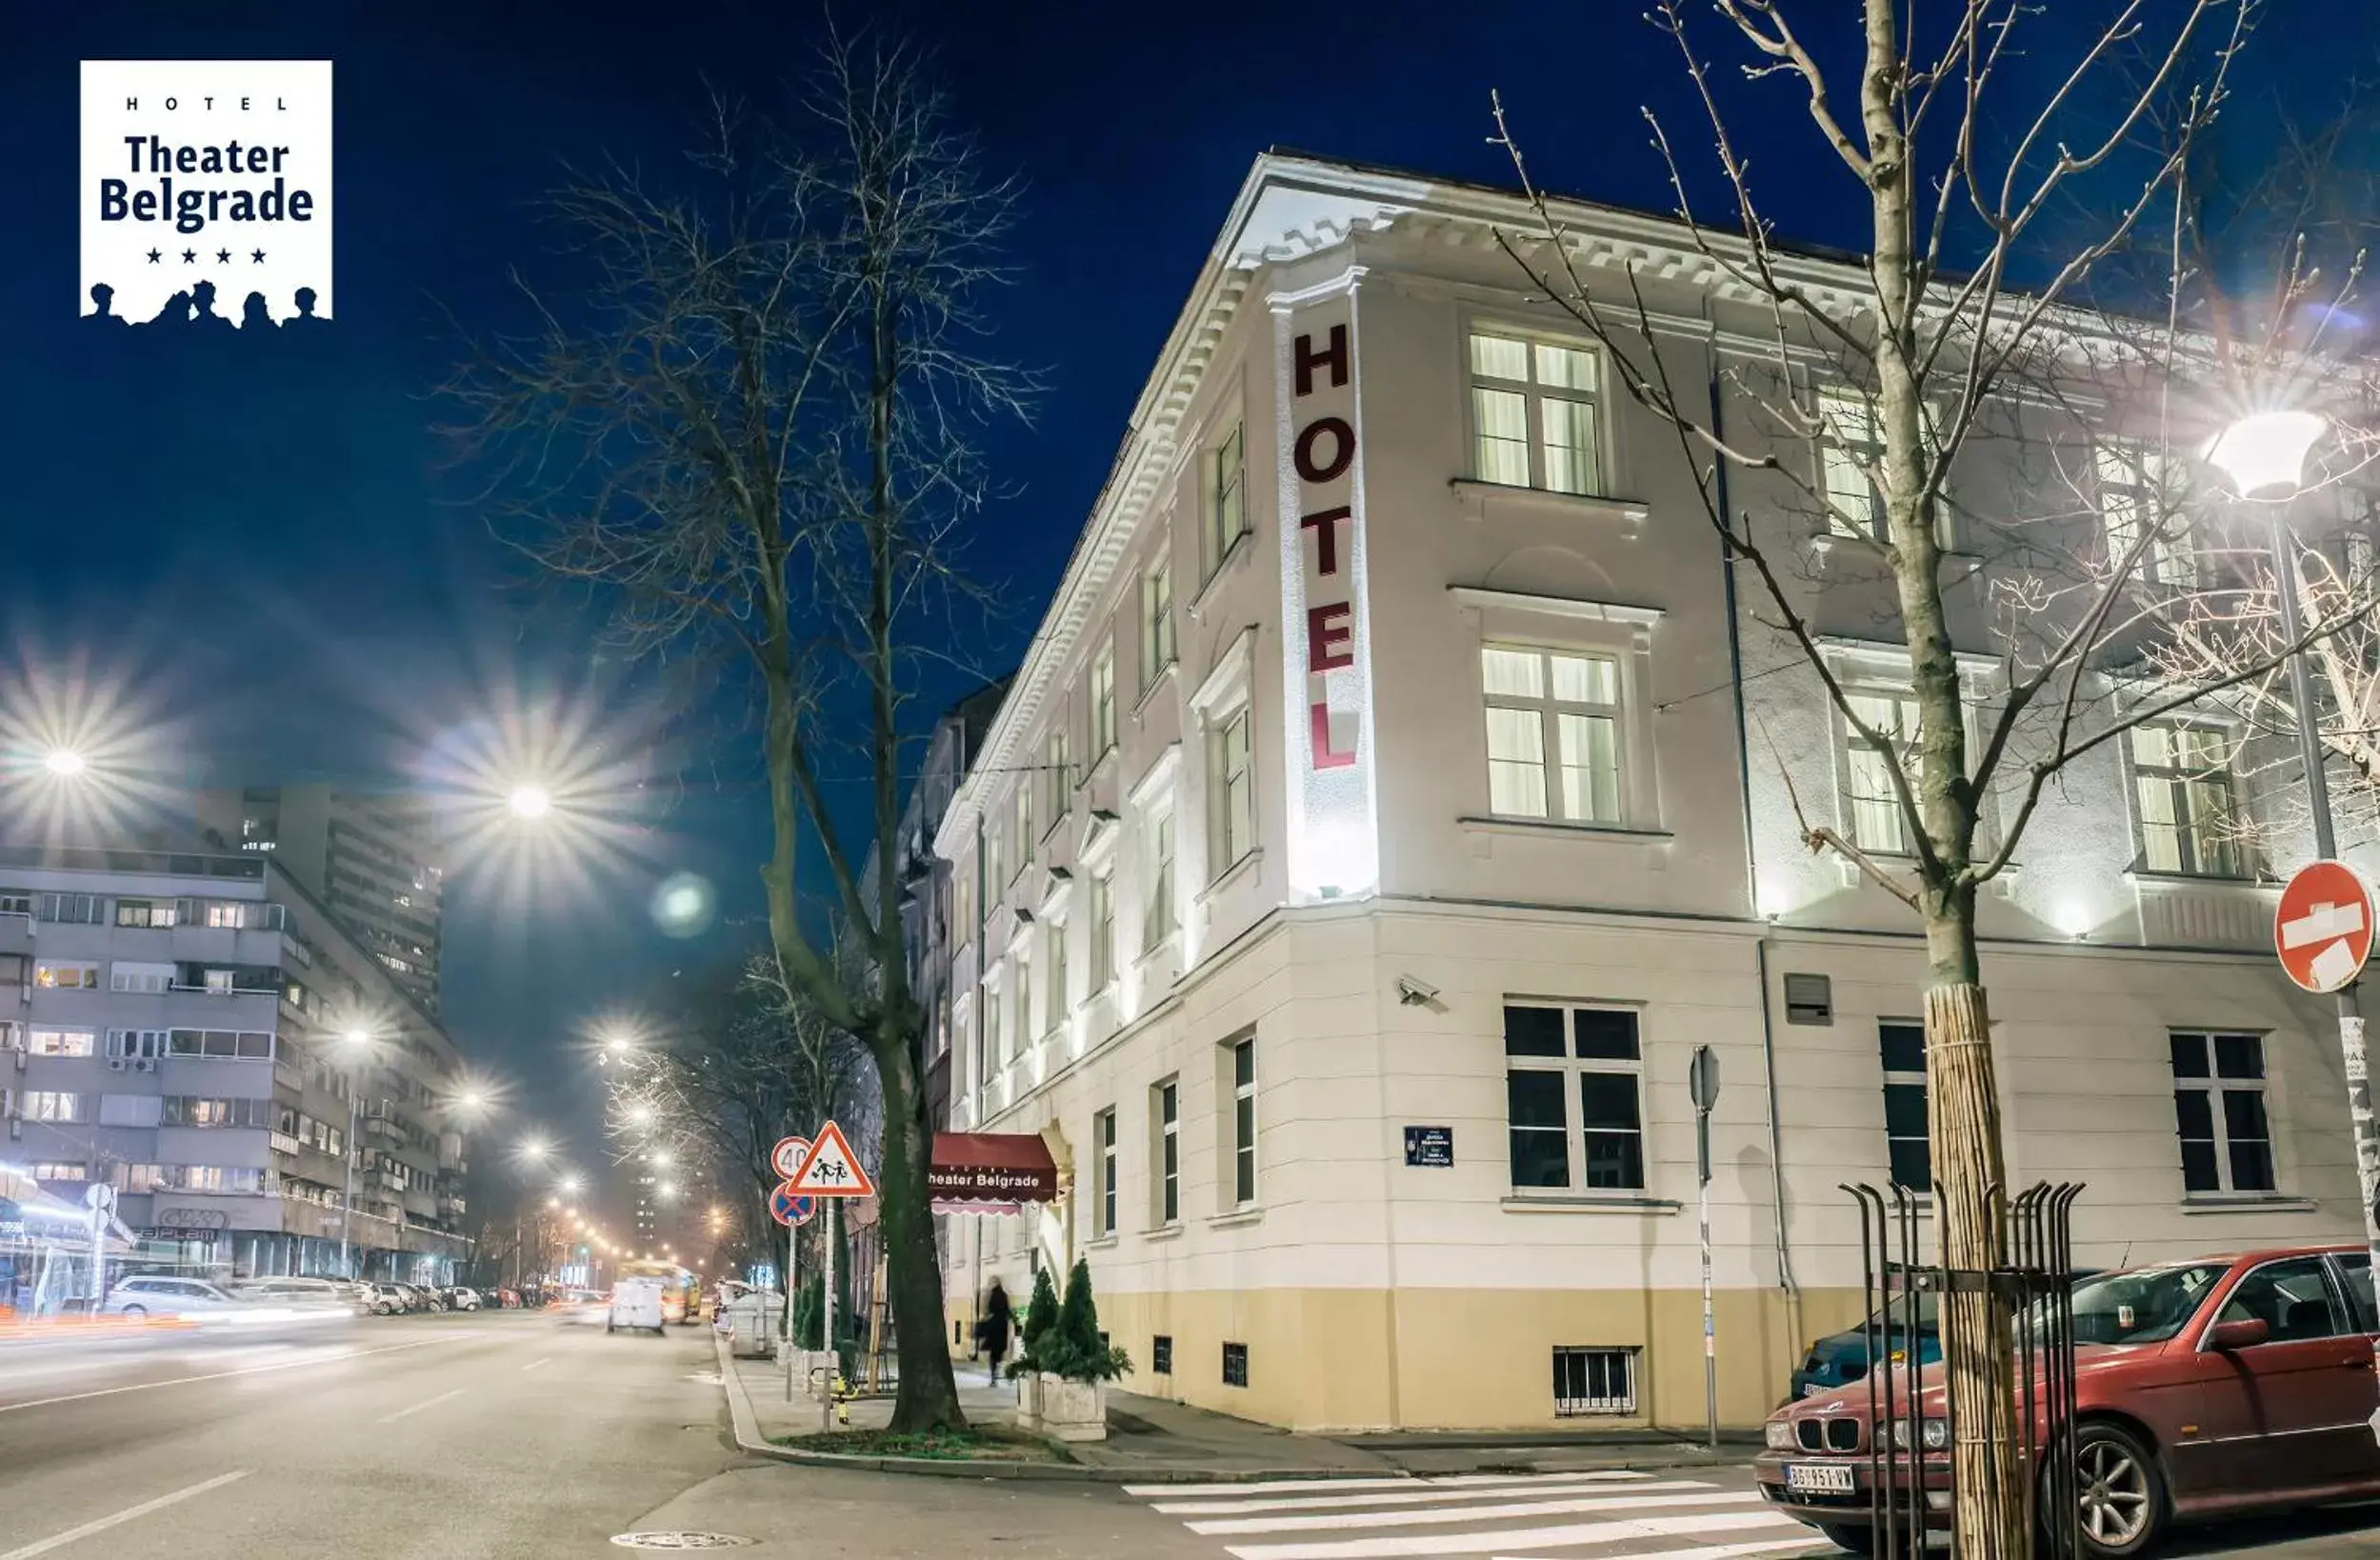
[[269, 555]]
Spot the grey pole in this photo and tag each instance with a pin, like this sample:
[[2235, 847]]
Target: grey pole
[[2353, 1060], [1703, 1084], [347, 1197]]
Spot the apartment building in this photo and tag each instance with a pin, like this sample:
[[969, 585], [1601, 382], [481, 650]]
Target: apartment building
[[1398, 790], [373, 857], [177, 1025]]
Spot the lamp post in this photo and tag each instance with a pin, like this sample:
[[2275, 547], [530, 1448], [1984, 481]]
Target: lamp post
[[358, 1043], [2263, 455]]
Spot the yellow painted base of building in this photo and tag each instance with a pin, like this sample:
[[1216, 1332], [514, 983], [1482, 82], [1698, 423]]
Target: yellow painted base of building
[[1351, 1360]]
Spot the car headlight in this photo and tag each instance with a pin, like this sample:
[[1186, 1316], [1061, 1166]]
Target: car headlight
[[1932, 1434], [1779, 1435]]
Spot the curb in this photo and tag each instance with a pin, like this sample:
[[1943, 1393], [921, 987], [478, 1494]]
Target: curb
[[748, 1438]]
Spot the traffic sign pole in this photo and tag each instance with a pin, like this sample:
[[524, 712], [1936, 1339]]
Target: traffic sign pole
[[1702, 1082], [2353, 1060]]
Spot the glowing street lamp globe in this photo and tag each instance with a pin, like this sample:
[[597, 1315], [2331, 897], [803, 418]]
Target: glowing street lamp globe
[[2264, 453], [65, 763], [529, 801]]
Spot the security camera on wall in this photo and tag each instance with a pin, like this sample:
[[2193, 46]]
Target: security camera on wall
[[1412, 991]]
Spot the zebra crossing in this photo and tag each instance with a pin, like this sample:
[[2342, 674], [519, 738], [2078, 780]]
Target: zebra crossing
[[1605, 1514]]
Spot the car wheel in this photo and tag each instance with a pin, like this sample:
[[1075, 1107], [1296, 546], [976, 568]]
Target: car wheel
[[133, 1310], [2121, 1490]]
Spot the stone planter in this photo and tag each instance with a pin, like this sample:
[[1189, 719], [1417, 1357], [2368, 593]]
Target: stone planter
[[1029, 1401], [1071, 1411]]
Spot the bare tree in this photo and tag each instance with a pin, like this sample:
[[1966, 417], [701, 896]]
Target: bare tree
[[753, 432], [2007, 168]]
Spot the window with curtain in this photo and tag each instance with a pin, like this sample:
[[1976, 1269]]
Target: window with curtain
[[2190, 821], [1850, 448], [1874, 808], [1535, 412], [1553, 733]]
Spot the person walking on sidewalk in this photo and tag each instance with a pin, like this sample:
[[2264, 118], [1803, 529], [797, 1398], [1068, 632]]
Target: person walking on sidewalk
[[996, 1325]]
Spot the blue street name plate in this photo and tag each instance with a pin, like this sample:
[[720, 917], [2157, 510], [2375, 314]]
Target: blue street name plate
[[1429, 1148]]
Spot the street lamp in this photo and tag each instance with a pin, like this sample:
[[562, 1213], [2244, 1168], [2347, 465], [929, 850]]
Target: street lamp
[[358, 1044], [529, 801], [65, 763], [2263, 455]]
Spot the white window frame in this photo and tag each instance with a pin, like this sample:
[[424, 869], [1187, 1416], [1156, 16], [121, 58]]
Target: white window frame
[[1551, 760], [2131, 480], [1103, 699], [1157, 648], [1856, 751], [1165, 1160], [1227, 847], [1161, 846], [1102, 948], [45, 1040], [1225, 499], [140, 976], [994, 1055], [1241, 1125], [137, 1044], [2195, 841], [1054, 769], [1025, 835], [1021, 967], [1534, 394], [1850, 452], [1571, 1069], [2216, 1085], [52, 1106], [1104, 1164], [1055, 1002]]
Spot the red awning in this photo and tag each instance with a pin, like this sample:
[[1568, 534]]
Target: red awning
[[992, 1168]]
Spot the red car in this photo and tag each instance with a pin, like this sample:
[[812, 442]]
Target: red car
[[2204, 1388]]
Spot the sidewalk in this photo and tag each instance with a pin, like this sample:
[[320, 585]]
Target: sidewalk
[[1154, 1441]]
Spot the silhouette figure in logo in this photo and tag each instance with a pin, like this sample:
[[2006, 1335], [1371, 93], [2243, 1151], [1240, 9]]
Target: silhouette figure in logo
[[176, 312], [253, 315], [203, 315], [103, 296], [305, 319]]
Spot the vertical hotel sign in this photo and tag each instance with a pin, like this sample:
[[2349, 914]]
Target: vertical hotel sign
[[1325, 605]]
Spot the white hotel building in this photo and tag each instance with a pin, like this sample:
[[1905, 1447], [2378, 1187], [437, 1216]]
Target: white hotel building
[[1396, 755]]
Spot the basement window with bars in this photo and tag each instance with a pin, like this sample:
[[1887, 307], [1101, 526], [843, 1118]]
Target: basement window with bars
[[1234, 1365], [1161, 1353], [1593, 1381]]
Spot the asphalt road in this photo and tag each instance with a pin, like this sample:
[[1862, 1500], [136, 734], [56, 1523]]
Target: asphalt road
[[512, 1435]]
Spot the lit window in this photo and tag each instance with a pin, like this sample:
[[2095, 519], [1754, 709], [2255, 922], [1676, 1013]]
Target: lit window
[[42, 1105], [63, 1042], [58, 975], [1878, 825], [1234, 791], [1534, 413], [1102, 931], [1553, 734], [2219, 1108], [1053, 768], [1023, 825], [1555, 1056], [1158, 917], [1850, 450], [1055, 1004], [2190, 819], [2136, 493], [219, 982], [1227, 487]]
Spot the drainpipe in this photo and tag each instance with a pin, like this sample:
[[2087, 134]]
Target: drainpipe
[[1751, 861]]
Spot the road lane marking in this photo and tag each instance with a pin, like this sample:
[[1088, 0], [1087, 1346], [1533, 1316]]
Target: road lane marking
[[542, 1359], [1550, 1484], [1442, 1516], [1811, 1545], [1438, 1545], [59, 1541], [218, 1375], [408, 1413]]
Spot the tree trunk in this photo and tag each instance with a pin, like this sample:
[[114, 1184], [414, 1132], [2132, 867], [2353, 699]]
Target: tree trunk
[[1989, 1514], [928, 1394]]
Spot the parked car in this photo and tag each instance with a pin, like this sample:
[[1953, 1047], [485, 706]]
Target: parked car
[[387, 1299], [155, 1295], [301, 1291], [1840, 1358], [2214, 1386], [460, 1298]]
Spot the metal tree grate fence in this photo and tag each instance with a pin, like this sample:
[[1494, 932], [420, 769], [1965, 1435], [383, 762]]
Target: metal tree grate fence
[[1913, 1420]]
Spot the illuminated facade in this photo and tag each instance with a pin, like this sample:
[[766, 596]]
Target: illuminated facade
[[1395, 794]]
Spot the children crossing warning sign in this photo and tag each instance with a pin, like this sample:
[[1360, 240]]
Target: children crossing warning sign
[[831, 1170]]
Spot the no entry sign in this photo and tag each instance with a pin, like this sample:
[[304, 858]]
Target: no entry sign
[[2323, 927]]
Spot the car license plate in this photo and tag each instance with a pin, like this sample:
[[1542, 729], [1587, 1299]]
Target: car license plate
[[1815, 1389], [1818, 1478]]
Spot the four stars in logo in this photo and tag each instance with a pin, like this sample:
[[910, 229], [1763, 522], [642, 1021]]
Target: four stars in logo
[[189, 257]]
